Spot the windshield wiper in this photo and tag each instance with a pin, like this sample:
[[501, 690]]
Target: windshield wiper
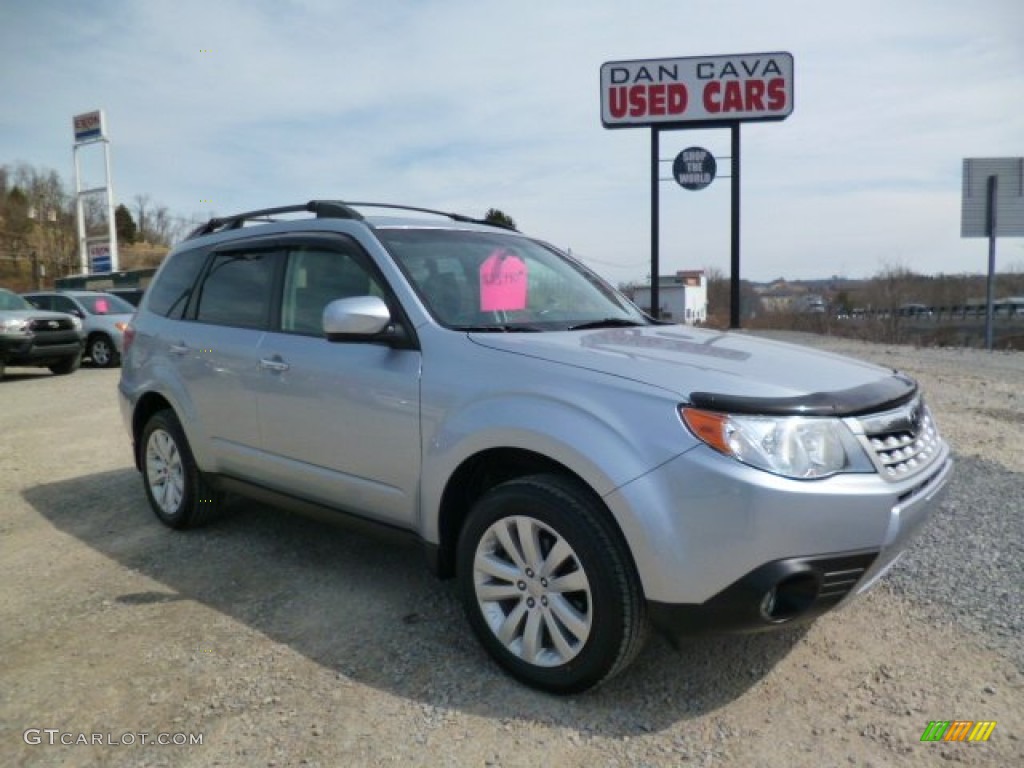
[[606, 322], [506, 328]]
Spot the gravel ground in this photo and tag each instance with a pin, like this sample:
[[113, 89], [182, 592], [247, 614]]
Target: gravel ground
[[283, 641]]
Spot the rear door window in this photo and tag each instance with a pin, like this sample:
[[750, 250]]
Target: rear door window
[[238, 289]]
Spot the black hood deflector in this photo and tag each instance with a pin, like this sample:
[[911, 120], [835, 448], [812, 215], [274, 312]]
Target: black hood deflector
[[880, 395]]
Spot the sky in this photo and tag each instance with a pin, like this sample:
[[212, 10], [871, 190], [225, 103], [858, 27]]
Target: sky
[[220, 107]]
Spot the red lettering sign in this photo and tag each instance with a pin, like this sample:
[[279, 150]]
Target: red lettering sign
[[750, 86], [645, 100], [725, 96]]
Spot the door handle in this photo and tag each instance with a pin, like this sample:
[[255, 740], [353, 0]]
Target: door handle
[[277, 366], [180, 348]]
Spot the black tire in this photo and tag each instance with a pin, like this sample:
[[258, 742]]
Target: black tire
[[597, 610], [67, 365], [3, 365], [102, 351], [177, 491]]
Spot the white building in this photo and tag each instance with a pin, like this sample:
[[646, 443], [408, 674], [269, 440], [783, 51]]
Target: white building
[[682, 297]]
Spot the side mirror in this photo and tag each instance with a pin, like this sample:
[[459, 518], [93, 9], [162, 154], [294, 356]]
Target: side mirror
[[362, 318]]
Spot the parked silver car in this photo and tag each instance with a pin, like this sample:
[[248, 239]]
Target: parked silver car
[[582, 470], [104, 317]]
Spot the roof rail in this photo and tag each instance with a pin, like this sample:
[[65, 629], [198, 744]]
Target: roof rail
[[324, 209], [452, 216]]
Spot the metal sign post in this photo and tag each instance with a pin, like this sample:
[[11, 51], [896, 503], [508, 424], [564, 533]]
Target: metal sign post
[[655, 225], [697, 92], [734, 261], [992, 206], [94, 254]]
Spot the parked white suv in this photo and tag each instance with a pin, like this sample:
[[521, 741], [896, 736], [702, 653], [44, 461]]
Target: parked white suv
[[581, 470]]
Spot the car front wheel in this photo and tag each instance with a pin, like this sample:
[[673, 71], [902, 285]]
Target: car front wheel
[[67, 365], [102, 351], [548, 585], [177, 491]]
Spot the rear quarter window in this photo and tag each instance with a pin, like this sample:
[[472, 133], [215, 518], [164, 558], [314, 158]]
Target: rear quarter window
[[172, 288]]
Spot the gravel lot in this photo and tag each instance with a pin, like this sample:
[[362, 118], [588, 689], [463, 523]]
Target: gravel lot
[[283, 641]]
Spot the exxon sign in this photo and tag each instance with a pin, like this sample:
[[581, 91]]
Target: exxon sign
[[741, 87], [89, 126]]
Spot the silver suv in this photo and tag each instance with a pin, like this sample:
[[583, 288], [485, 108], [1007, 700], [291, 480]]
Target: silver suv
[[582, 470]]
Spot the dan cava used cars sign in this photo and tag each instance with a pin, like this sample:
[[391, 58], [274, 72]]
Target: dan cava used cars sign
[[750, 86]]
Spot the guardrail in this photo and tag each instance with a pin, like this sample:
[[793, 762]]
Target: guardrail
[[1012, 311]]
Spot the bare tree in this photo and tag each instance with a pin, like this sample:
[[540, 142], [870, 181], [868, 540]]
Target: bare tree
[[160, 226], [142, 206], [718, 292]]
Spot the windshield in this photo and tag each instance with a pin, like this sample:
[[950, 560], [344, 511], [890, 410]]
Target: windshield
[[10, 300], [105, 304], [481, 281]]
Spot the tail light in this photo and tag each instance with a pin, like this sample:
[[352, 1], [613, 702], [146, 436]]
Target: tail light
[[129, 337]]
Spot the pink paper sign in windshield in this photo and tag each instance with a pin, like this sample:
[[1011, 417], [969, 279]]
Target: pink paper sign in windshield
[[102, 307], [503, 282]]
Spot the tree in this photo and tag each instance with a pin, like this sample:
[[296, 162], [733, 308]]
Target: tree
[[125, 225], [160, 226], [718, 291], [502, 219], [142, 205], [17, 223]]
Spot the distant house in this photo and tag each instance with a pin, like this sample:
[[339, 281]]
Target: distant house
[[781, 296], [682, 297]]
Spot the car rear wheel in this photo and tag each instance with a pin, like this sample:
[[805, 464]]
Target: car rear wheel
[[102, 351], [549, 586], [177, 491]]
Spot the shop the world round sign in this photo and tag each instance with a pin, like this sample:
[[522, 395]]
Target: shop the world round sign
[[694, 168]]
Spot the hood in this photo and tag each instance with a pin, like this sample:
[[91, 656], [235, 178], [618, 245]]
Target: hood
[[726, 371], [34, 314]]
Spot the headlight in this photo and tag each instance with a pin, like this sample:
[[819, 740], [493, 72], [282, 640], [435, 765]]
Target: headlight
[[76, 323], [14, 325], [792, 446]]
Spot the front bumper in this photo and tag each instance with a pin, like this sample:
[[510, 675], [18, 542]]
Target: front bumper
[[30, 351], [788, 591], [712, 538]]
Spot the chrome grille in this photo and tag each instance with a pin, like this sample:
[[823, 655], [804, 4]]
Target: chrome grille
[[902, 442], [40, 325]]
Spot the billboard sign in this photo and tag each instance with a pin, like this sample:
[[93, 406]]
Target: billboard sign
[[89, 127], [99, 257], [740, 87], [1009, 173]]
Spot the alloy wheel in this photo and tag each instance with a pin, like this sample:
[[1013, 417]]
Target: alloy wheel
[[532, 591]]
